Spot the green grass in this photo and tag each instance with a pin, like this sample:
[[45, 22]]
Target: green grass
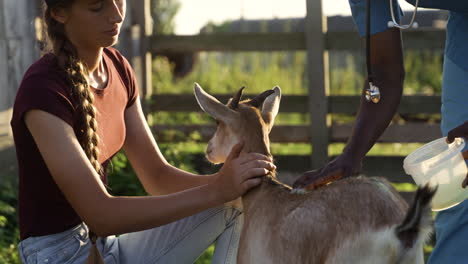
[[383, 149], [206, 257]]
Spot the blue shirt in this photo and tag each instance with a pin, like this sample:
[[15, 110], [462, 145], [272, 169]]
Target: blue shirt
[[456, 44]]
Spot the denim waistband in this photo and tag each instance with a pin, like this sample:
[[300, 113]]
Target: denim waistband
[[34, 244]]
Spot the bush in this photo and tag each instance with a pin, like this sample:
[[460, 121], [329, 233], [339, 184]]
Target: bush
[[123, 180], [9, 231]]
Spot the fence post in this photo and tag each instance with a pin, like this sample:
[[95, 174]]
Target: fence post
[[144, 20], [318, 82], [17, 53], [125, 44]]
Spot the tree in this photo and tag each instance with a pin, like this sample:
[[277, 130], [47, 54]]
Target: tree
[[163, 13]]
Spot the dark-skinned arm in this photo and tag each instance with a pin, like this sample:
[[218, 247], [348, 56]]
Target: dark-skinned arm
[[372, 119]]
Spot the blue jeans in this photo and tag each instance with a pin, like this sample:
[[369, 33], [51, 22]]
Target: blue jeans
[[451, 225], [182, 241]]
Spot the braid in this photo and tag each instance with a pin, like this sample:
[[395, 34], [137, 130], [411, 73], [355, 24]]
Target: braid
[[76, 73]]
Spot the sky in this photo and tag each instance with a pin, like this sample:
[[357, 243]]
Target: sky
[[194, 14]]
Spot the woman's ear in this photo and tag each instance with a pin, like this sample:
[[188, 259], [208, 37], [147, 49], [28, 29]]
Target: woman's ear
[[59, 14]]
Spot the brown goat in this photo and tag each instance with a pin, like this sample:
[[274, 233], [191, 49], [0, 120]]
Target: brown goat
[[355, 220]]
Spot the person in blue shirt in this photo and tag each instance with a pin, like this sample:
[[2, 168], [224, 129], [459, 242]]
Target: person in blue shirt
[[388, 73]]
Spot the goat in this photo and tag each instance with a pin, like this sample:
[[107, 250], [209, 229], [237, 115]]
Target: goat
[[355, 220]]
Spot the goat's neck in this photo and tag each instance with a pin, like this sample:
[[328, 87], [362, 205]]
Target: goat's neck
[[258, 147], [262, 146], [257, 142], [266, 192]]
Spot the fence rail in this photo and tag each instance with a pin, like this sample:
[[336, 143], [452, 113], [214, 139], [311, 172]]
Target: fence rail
[[340, 104], [410, 133], [413, 39]]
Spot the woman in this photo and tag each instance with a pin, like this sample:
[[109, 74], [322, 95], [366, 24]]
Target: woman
[[76, 107]]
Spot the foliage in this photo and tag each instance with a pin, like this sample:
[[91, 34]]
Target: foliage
[[124, 181], [227, 72], [206, 257], [423, 72], [9, 232], [163, 13]]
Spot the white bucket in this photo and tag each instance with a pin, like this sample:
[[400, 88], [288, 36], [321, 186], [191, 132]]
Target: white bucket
[[442, 164]]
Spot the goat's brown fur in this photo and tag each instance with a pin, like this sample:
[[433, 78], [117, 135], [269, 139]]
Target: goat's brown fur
[[308, 217]]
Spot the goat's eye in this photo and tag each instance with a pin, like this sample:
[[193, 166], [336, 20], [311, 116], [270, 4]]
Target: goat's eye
[[217, 122]]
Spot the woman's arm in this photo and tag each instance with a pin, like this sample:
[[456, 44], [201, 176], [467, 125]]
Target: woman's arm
[[108, 215], [156, 174]]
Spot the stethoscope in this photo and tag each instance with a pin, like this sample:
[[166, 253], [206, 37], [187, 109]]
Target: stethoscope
[[372, 93]]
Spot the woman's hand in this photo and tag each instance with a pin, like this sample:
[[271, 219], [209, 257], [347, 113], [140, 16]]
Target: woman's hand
[[241, 172], [460, 131], [341, 167]]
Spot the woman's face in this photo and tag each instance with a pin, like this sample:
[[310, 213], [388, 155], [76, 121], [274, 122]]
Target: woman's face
[[94, 23]]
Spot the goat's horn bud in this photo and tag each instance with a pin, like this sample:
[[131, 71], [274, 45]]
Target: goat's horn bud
[[234, 103], [258, 100]]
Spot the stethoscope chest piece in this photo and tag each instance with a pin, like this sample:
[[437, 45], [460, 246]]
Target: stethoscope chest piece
[[373, 93]]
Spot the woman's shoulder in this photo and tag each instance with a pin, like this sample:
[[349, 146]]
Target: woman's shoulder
[[44, 87], [47, 63], [44, 72], [43, 81]]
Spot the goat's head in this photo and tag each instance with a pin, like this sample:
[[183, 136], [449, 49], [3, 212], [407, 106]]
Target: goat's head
[[248, 121]]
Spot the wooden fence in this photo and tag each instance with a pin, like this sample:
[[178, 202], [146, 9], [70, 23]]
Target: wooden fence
[[386, 166], [138, 45], [318, 104]]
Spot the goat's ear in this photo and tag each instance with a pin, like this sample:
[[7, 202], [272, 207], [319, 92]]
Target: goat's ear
[[271, 106], [258, 100], [211, 105]]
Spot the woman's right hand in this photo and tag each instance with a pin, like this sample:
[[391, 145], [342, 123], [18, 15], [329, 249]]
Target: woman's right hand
[[241, 171]]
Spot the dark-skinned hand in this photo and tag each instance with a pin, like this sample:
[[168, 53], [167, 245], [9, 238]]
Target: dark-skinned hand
[[341, 167], [460, 131]]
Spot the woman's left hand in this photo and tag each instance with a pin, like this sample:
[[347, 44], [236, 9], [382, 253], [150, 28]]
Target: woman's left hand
[[460, 131]]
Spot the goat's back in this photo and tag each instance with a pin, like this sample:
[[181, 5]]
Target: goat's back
[[281, 227]]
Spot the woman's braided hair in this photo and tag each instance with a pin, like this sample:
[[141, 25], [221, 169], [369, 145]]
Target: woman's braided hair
[[76, 73]]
